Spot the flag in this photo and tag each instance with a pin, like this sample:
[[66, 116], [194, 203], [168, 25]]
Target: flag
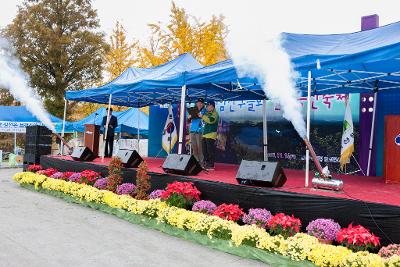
[[347, 136], [169, 136]]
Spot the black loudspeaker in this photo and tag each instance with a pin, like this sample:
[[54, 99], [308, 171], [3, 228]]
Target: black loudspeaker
[[261, 173], [82, 153], [37, 143], [181, 164], [129, 158]]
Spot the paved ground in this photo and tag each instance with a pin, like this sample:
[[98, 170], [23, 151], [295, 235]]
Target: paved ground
[[40, 230]]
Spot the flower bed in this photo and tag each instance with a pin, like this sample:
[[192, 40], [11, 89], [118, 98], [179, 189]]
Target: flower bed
[[299, 247]]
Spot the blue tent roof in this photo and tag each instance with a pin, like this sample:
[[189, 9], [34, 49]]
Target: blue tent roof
[[350, 63], [125, 87], [127, 121], [18, 117]]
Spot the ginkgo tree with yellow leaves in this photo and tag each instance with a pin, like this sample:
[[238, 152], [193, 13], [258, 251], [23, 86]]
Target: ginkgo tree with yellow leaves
[[184, 34], [120, 56], [181, 34]]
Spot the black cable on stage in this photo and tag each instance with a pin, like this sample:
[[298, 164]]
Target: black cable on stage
[[370, 213]]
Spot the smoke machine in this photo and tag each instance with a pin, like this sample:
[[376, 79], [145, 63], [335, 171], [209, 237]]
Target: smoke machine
[[324, 180]]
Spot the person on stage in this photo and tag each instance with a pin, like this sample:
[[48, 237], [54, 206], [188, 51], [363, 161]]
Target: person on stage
[[210, 119], [196, 131], [112, 124]]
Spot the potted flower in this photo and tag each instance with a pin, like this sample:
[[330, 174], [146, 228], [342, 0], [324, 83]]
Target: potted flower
[[181, 194], [126, 189], [259, 217], [57, 175], [34, 168], [204, 206], [48, 172], [285, 225], [357, 238], [89, 177], [323, 229], [67, 175], [101, 183], [156, 194], [389, 251], [230, 212], [75, 177]]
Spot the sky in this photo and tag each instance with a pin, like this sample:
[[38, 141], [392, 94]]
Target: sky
[[306, 16]]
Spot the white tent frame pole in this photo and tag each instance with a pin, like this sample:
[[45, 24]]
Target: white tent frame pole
[[371, 138], [107, 122], [15, 141], [308, 128], [63, 125], [265, 132], [138, 131], [181, 118]]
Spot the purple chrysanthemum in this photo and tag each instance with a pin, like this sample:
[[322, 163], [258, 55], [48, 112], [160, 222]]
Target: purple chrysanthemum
[[101, 183], [126, 189], [156, 194], [57, 175], [325, 229], [259, 217], [76, 177], [204, 206]]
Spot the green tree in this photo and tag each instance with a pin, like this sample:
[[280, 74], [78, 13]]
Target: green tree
[[59, 45], [6, 99]]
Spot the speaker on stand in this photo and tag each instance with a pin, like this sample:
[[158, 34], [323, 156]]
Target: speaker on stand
[[261, 173], [181, 164]]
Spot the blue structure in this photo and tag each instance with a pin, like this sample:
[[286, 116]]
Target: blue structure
[[129, 121], [17, 118], [350, 63]]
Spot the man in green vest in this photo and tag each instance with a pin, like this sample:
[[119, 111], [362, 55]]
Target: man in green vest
[[210, 119]]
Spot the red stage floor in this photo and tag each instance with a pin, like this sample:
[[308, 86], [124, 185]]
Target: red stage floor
[[370, 189]]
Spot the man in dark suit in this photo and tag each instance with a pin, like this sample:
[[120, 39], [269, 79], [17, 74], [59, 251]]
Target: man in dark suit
[[112, 124]]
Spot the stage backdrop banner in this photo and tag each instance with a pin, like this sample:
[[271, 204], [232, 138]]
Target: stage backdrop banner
[[240, 131]]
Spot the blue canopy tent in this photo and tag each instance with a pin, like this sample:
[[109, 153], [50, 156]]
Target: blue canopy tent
[[130, 121], [17, 118], [359, 62]]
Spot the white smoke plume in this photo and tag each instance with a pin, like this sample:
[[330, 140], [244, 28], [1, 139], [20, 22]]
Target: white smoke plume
[[255, 46], [14, 79]]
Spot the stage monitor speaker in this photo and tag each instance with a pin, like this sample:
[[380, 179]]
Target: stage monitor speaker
[[129, 158], [261, 173], [82, 153], [181, 164]]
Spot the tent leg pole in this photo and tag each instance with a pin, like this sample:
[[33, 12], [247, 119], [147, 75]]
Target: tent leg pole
[[63, 125], [138, 131], [371, 138], [15, 142], [265, 132], [107, 122], [181, 118], [308, 128]]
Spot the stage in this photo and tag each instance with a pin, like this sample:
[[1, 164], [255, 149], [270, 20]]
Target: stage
[[365, 200]]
